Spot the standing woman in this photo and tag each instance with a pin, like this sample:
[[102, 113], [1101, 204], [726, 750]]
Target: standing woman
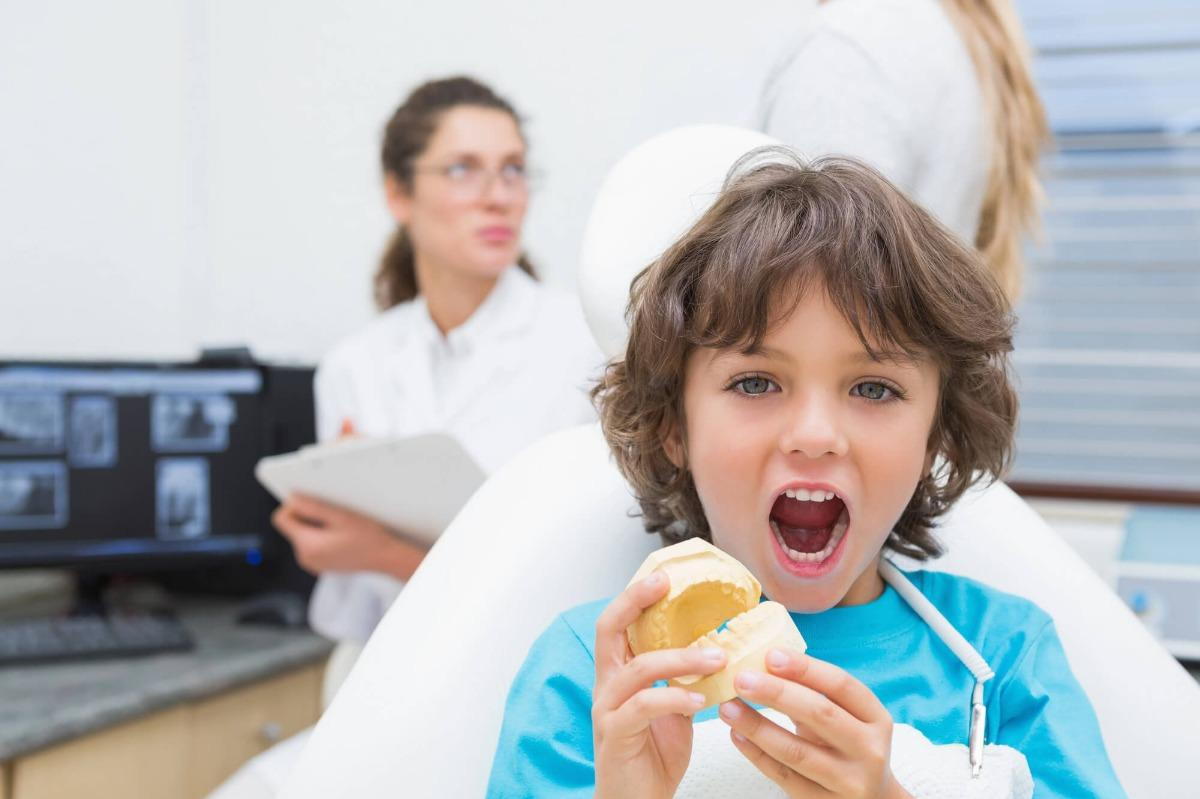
[[936, 94], [468, 342]]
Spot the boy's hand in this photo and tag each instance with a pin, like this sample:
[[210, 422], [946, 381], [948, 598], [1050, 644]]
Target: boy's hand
[[843, 739], [642, 733]]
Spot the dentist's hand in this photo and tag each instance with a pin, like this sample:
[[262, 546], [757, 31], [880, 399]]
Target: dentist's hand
[[642, 733], [325, 537], [328, 538], [843, 739]]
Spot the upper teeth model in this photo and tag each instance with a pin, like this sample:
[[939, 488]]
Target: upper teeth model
[[709, 587]]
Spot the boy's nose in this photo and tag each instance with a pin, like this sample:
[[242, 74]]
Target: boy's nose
[[813, 429]]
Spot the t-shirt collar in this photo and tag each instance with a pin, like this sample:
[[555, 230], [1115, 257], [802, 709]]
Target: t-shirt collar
[[839, 627]]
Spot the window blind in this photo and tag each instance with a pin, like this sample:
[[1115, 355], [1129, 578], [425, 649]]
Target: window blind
[[1108, 338]]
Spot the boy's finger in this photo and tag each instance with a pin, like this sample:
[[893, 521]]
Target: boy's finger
[[649, 667], [825, 678], [818, 715], [645, 706], [783, 776], [612, 647], [803, 757]]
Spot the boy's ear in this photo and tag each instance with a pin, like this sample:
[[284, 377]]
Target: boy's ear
[[672, 444]]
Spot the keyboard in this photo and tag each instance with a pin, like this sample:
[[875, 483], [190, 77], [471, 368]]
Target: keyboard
[[118, 634]]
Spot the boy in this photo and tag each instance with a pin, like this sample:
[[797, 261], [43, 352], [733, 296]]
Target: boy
[[815, 371]]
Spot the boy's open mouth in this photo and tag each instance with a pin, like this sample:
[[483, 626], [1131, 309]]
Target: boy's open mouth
[[809, 524]]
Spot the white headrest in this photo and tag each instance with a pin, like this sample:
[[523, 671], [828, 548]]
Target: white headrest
[[650, 197]]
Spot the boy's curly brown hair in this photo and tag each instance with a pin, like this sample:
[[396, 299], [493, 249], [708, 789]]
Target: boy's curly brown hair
[[901, 280]]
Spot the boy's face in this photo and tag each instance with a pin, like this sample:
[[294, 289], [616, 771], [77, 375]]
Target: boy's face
[[813, 412]]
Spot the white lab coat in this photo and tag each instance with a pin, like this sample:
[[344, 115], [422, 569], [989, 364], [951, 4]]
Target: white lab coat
[[889, 82], [517, 369]]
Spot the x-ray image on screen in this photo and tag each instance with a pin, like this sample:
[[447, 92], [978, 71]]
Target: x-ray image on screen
[[191, 423], [33, 495], [92, 441], [182, 496], [31, 423]]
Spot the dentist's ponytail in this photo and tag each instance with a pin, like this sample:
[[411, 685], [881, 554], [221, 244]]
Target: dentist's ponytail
[[992, 33]]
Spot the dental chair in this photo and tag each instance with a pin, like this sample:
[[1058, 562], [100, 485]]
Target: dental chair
[[420, 714]]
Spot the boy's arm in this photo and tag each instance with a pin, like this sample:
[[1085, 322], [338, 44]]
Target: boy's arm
[[1046, 716], [545, 747]]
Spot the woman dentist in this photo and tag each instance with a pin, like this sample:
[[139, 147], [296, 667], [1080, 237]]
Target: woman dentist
[[468, 342]]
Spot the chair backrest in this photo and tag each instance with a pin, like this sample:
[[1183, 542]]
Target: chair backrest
[[421, 712], [648, 199]]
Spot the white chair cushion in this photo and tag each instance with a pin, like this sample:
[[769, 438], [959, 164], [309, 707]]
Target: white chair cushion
[[651, 196]]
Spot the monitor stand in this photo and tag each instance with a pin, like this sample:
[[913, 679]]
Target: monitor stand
[[89, 595], [98, 594]]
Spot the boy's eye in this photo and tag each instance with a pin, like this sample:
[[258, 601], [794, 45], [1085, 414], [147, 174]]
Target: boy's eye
[[753, 385], [873, 391]]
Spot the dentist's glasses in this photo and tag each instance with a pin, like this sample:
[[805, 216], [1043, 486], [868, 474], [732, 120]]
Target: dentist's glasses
[[469, 179]]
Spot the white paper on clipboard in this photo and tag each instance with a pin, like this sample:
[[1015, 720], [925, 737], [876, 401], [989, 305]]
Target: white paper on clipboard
[[415, 485]]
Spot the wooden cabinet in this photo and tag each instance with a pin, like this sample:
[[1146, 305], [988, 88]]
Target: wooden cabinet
[[180, 753], [138, 758], [230, 729]]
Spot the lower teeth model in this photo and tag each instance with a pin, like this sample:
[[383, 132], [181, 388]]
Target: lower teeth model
[[707, 588]]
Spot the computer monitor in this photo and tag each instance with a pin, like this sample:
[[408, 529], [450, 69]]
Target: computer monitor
[[116, 467]]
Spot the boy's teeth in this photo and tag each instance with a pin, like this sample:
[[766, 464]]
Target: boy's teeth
[[804, 495], [839, 531]]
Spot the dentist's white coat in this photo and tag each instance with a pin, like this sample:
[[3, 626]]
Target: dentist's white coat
[[517, 369]]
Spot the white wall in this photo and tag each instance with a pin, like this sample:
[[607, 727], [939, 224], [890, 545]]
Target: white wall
[[179, 173], [95, 156]]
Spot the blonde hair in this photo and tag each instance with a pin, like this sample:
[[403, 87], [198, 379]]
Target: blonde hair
[[992, 33]]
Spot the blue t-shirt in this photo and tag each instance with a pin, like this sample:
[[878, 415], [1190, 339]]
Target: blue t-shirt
[[1034, 703]]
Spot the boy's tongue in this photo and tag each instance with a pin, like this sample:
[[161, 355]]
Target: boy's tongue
[[806, 526]]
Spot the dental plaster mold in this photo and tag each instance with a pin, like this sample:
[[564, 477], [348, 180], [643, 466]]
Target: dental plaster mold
[[709, 588]]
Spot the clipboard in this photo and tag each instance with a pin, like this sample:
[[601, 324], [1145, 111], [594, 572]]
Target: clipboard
[[415, 485]]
